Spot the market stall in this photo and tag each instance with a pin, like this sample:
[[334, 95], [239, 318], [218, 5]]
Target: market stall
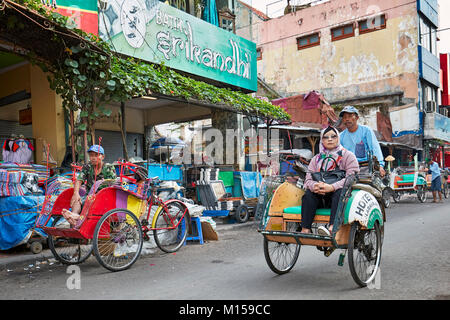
[[21, 199]]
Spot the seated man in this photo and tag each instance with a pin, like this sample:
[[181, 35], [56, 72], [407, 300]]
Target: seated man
[[358, 138], [94, 171]]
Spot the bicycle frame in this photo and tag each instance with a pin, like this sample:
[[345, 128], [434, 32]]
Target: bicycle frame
[[155, 200], [152, 200]]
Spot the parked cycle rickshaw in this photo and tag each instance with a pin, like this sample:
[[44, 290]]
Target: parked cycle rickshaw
[[114, 222], [408, 180], [446, 182], [358, 228]]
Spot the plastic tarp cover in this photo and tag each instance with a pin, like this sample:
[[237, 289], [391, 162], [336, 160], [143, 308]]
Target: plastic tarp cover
[[227, 177], [251, 181], [17, 219]]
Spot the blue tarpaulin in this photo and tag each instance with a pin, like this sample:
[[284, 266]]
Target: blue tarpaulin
[[249, 182], [17, 219]]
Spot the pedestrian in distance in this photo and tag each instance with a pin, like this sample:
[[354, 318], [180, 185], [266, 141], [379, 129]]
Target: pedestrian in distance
[[436, 183]]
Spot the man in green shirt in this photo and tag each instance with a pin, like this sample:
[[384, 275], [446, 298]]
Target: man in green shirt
[[94, 171]]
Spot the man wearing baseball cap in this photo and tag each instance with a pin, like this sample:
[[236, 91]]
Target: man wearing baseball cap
[[91, 172], [359, 138]]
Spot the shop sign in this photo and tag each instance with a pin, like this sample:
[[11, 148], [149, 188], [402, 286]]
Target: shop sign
[[82, 13], [156, 32], [437, 126], [25, 116]]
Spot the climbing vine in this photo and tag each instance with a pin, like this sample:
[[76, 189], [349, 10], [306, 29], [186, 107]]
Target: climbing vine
[[90, 75]]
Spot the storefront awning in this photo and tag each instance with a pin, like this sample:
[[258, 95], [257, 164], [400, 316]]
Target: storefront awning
[[398, 145], [298, 130]]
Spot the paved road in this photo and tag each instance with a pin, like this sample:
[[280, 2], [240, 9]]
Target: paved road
[[415, 265]]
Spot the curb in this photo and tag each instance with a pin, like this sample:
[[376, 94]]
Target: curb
[[26, 257], [231, 226], [46, 254]]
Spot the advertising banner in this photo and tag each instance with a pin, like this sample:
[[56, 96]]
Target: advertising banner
[[156, 32], [83, 13]]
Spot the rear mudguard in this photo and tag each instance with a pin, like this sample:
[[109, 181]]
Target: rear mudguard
[[364, 208]]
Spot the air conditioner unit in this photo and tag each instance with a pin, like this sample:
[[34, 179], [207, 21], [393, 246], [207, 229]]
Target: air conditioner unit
[[430, 106]]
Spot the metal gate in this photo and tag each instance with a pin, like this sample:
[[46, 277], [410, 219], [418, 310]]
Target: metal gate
[[112, 143]]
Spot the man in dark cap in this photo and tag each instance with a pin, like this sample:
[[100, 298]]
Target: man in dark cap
[[359, 138]]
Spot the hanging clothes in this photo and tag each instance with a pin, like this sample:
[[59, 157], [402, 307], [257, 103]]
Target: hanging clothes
[[18, 150]]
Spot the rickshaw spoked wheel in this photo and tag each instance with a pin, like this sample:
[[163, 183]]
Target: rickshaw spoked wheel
[[118, 239], [69, 250], [280, 257], [422, 193], [364, 253], [396, 197], [386, 198], [445, 190]]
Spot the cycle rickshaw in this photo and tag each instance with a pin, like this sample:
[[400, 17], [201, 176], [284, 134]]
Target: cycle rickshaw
[[114, 222], [408, 180], [358, 228]]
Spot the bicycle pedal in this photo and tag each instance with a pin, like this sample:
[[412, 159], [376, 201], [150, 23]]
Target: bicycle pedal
[[328, 252], [144, 222]]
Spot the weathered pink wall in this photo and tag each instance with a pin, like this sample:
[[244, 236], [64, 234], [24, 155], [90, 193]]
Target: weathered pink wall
[[377, 62]]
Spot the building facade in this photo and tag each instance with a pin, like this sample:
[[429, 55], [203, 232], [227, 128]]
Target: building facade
[[28, 106], [378, 55]]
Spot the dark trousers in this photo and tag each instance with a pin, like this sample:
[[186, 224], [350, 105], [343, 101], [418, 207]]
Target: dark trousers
[[312, 201]]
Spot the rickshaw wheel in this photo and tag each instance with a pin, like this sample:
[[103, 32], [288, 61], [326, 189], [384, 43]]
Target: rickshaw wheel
[[280, 257], [69, 250], [445, 190], [396, 197], [364, 253], [118, 239], [422, 193], [386, 198], [168, 238]]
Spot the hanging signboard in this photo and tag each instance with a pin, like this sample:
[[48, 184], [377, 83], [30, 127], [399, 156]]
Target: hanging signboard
[[83, 14], [156, 32]]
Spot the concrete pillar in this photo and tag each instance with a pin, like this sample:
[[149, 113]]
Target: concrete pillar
[[234, 149], [147, 140], [47, 117]]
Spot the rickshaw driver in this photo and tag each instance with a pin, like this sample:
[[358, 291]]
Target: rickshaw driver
[[95, 170], [357, 138]]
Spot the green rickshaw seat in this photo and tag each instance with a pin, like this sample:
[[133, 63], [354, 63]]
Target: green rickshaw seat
[[298, 210]]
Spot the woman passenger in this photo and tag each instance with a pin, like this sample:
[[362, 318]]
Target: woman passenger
[[321, 194]]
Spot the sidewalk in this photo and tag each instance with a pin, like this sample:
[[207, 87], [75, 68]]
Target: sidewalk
[[25, 256]]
